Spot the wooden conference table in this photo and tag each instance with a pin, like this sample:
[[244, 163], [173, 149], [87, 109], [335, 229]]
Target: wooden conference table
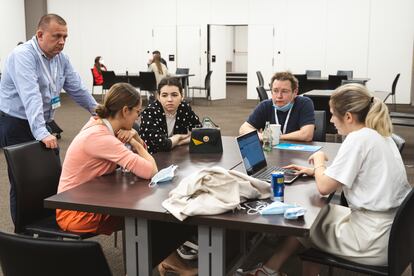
[[321, 98], [123, 194]]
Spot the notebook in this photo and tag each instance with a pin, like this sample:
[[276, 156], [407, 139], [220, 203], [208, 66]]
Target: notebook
[[254, 160]]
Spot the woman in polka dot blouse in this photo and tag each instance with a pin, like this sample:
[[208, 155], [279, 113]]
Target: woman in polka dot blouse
[[168, 121]]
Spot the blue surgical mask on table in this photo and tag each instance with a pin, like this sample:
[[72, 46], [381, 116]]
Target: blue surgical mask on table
[[276, 208], [166, 174], [284, 108], [294, 213]]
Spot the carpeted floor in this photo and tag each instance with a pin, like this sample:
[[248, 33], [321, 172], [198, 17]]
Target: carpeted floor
[[229, 114]]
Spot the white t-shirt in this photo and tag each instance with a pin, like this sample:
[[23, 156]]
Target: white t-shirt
[[170, 124], [372, 171]]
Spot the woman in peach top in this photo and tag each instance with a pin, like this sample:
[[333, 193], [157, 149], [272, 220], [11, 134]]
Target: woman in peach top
[[98, 149]]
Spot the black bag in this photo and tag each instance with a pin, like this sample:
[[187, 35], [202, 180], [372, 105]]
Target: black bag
[[206, 139]]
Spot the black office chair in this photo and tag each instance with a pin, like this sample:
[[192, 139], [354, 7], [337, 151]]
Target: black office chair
[[93, 81], [335, 81], [313, 73], [148, 83], [207, 82], [400, 247], [393, 88], [36, 172], [353, 81], [399, 141], [319, 133], [262, 93], [109, 79], [261, 80], [303, 83], [348, 73], [22, 255]]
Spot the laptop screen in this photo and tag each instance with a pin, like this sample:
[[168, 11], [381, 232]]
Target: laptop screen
[[251, 152]]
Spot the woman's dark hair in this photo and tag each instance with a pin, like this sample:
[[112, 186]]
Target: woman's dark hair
[[98, 64], [120, 95], [170, 82]]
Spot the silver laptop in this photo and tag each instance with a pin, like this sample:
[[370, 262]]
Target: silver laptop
[[255, 162]]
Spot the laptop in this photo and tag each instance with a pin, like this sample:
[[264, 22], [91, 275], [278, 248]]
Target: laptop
[[254, 160]]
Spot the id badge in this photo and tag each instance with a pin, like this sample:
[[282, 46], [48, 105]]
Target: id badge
[[55, 102]]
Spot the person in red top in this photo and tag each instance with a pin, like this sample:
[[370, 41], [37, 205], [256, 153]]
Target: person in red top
[[98, 67]]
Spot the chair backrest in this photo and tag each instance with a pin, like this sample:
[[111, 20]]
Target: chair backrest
[[348, 73], [109, 79], [401, 241], [313, 73], [352, 81], [148, 81], [182, 71], [22, 255], [394, 84], [36, 172], [302, 80], [335, 81], [262, 93], [319, 133], [207, 81], [260, 78], [399, 141]]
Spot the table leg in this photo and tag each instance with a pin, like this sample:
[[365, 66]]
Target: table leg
[[211, 251], [138, 248]]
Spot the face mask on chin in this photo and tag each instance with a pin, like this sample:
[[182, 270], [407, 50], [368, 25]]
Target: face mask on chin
[[284, 108]]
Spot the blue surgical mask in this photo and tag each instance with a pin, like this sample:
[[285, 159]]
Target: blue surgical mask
[[284, 108], [294, 213], [164, 175], [276, 208]]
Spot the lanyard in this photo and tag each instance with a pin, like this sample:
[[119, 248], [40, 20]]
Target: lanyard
[[286, 121], [52, 81]]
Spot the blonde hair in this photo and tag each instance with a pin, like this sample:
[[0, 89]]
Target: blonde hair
[[356, 99]]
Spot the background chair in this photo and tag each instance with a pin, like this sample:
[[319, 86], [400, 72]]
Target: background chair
[[393, 88], [93, 80], [352, 81], [207, 82], [399, 141], [303, 83], [335, 81], [348, 73], [36, 172], [400, 247], [262, 93], [109, 79], [21, 256], [261, 80], [148, 83], [313, 73], [319, 133]]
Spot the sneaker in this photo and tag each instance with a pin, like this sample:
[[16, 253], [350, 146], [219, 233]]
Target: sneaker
[[188, 250], [259, 270]]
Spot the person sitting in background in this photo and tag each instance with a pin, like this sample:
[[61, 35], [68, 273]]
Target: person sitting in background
[[159, 69], [295, 114], [98, 149], [98, 67], [156, 52], [371, 173], [167, 122]]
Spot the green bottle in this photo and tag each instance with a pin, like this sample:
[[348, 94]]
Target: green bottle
[[267, 137]]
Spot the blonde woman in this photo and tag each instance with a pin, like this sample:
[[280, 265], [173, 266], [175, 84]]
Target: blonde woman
[[159, 69], [371, 173]]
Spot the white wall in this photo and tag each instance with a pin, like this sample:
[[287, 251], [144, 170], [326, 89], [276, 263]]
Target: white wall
[[372, 37], [13, 28], [240, 47]]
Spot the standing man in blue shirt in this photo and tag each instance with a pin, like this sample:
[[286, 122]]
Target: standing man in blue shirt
[[33, 76], [295, 114]]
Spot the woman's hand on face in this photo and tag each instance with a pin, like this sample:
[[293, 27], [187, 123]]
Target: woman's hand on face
[[300, 169], [318, 158], [126, 135]]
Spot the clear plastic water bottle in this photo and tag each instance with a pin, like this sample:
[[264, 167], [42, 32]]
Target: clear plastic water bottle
[[267, 137]]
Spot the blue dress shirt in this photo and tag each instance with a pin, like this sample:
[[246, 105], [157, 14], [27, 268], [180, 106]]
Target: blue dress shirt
[[26, 90]]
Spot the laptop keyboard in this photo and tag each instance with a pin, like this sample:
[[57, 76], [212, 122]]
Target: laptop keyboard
[[265, 174]]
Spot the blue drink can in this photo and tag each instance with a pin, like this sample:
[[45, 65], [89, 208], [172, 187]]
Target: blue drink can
[[278, 186]]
